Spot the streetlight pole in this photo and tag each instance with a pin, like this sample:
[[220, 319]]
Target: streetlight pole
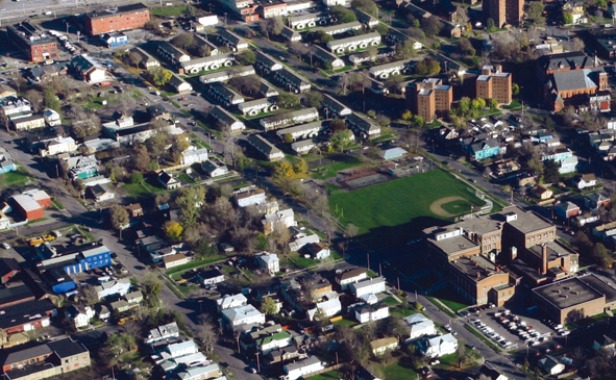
[[258, 362]]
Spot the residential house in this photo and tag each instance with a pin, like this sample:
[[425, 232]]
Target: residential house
[[28, 123], [381, 346], [317, 251], [194, 155], [350, 276], [166, 332], [58, 145], [419, 325], [438, 346], [269, 262], [551, 365], [242, 317], [595, 201], [52, 118], [168, 181], [120, 306], [81, 317], [114, 39], [175, 260], [112, 287], [6, 162], [605, 344], [214, 169], [586, 181], [584, 219], [265, 343], [566, 210], [26, 316], [100, 192], [542, 192], [179, 85], [134, 298], [103, 313], [250, 197], [301, 239], [231, 301], [88, 69], [211, 277], [211, 371], [302, 368], [135, 210], [179, 349], [368, 286], [226, 121], [365, 313], [279, 219], [146, 61]]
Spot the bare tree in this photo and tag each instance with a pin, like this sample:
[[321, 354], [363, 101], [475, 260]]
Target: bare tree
[[207, 334]]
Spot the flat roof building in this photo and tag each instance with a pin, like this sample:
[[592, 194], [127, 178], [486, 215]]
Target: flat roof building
[[124, 17], [37, 45]]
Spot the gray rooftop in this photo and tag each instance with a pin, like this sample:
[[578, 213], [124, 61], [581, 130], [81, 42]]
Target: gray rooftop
[[573, 80], [566, 293]]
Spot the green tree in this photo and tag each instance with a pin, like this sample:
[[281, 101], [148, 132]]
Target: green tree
[[493, 103], [119, 217], [313, 99], [183, 40], [151, 286], [406, 115], [189, 201], [288, 100], [343, 14], [269, 306], [406, 49], [478, 104], [432, 26], [535, 12], [550, 171], [367, 6], [189, 11], [515, 89], [490, 25], [50, 99], [341, 140], [247, 57], [568, 17], [160, 76]]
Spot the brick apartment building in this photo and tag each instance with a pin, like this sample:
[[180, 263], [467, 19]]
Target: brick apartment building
[[125, 17], [503, 11], [33, 41], [429, 97], [493, 83], [484, 258]]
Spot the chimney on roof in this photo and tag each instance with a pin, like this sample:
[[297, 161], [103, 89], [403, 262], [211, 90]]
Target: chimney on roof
[[544, 259]]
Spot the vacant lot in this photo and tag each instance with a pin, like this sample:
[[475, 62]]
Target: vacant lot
[[404, 201]]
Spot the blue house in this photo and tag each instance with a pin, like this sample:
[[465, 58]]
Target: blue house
[[114, 40], [482, 149], [98, 257], [6, 162]]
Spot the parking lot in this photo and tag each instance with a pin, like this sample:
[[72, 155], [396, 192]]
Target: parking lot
[[509, 331]]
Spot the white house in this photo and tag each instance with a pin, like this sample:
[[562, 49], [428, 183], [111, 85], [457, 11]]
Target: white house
[[273, 220], [113, 287], [273, 341], [172, 261], [211, 277], [187, 361], [214, 169], [201, 372], [351, 276], [194, 155], [329, 306], [419, 325], [250, 198], [372, 285], [52, 118], [551, 365], [175, 350], [301, 240], [231, 301], [317, 251], [270, 262], [163, 332], [302, 368], [208, 20], [242, 315], [438, 346], [83, 317], [365, 313], [586, 181], [58, 145]]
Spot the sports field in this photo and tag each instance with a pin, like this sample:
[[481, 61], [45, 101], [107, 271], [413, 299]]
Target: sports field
[[418, 201]]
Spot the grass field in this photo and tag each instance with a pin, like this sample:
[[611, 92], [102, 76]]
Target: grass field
[[404, 201], [457, 207], [331, 375], [340, 163], [17, 178], [395, 371], [169, 11]]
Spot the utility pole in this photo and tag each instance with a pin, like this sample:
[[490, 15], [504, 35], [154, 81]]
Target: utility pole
[[258, 362], [368, 259]]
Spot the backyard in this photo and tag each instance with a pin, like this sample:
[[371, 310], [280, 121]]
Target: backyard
[[413, 202]]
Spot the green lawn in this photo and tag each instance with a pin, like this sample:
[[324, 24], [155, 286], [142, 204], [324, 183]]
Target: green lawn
[[331, 375], [398, 202], [169, 11], [345, 323], [390, 301], [451, 300], [396, 371], [17, 178], [142, 189], [195, 264], [330, 170]]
